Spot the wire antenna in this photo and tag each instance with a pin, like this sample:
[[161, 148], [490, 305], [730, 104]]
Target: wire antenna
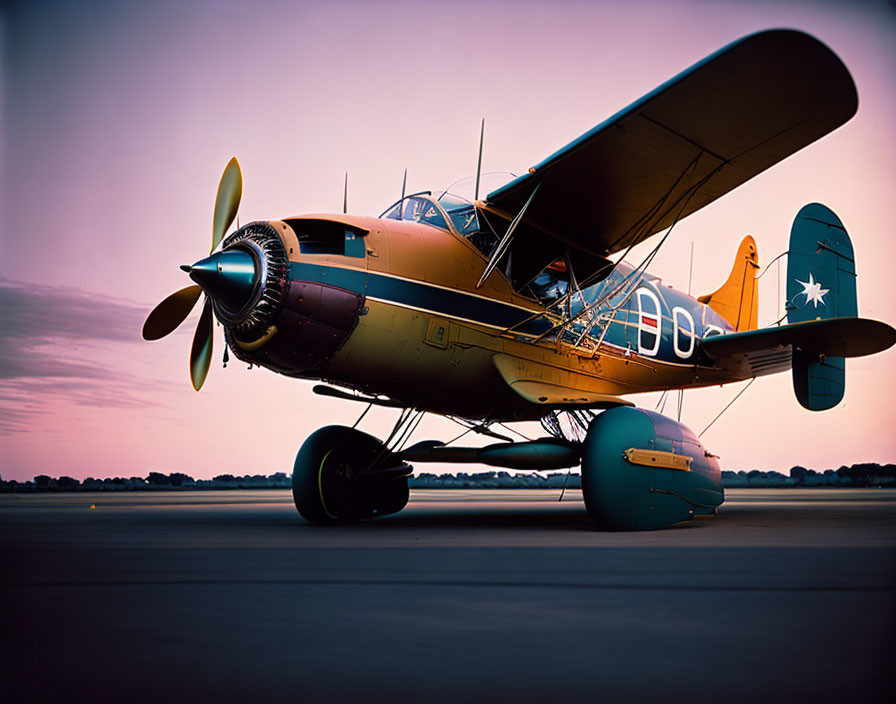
[[690, 279], [731, 403], [691, 268]]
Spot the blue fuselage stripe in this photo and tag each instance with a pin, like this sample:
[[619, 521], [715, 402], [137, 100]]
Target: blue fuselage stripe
[[417, 294]]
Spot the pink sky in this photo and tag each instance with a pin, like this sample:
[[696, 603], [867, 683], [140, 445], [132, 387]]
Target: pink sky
[[117, 119]]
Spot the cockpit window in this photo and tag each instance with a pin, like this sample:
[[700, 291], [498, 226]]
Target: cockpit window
[[462, 213], [619, 285], [417, 209]]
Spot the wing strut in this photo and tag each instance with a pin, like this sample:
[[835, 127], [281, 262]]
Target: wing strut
[[631, 281], [505, 241]]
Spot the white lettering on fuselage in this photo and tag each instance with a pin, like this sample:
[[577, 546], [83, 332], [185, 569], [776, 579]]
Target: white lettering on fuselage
[[680, 315], [650, 321]]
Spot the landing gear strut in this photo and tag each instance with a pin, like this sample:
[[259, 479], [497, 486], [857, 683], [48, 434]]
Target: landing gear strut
[[343, 475]]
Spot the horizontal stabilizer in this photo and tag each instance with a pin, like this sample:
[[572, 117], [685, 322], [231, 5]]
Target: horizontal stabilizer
[[834, 337], [814, 350]]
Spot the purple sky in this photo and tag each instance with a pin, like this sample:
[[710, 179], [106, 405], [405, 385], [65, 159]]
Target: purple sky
[[118, 118]]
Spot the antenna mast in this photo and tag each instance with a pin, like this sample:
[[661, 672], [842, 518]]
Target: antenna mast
[[691, 268], [404, 184], [479, 163]]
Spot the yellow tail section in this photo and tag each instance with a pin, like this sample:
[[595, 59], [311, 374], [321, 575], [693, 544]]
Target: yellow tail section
[[738, 300]]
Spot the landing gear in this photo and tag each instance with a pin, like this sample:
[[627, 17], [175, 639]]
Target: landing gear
[[343, 475], [643, 471]]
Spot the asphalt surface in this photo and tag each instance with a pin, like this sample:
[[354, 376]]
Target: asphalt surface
[[465, 595]]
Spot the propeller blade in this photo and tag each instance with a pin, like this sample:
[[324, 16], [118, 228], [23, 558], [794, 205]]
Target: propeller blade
[[201, 354], [170, 313], [230, 190]]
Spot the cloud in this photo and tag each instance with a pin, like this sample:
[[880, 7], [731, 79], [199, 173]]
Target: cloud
[[43, 329], [38, 313], [25, 360]]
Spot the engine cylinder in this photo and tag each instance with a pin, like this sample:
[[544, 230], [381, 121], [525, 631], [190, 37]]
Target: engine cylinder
[[642, 471], [261, 242]]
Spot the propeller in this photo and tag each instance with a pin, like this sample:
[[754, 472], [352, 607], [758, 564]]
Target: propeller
[[227, 202], [219, 274]]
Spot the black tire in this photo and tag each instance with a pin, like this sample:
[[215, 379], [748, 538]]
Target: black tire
[[343, 475]]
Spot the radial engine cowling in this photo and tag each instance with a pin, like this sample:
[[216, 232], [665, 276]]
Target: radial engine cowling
[[289, 326], [250, 315], [642, 471]]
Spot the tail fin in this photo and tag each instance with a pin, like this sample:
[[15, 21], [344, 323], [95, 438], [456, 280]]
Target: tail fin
[[737, 301], [821, 267], [821, 284]]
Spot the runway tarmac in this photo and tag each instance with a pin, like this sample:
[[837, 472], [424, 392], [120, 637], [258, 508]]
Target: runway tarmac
[[465, 595]]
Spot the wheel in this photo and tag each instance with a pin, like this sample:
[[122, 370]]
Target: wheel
[[343, 475], [671, 479]]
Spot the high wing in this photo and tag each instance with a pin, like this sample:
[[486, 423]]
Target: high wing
[[769, 350], [696, 137]]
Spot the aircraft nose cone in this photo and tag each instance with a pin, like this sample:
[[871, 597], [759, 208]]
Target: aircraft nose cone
[[229, 277]]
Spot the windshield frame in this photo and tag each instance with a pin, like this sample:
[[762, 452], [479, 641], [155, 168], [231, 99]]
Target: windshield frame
[[382, 215], [460, 205], [427, 197]]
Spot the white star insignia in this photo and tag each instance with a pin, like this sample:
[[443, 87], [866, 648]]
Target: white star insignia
[[813, 290]]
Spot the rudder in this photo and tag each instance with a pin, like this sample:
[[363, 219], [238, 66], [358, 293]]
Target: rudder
[[737, 301], [821, 284]]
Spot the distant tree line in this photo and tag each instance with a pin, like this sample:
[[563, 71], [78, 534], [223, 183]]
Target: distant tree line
[[863, 474], [857, 475], [154, 481]]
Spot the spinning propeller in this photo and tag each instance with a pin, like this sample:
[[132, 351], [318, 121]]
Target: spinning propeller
[[225, 277]]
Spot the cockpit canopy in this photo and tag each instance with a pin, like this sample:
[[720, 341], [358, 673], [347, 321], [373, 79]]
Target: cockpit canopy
[[448, 212], [461, 213], [453, 210], [422, 207], [535, 264]]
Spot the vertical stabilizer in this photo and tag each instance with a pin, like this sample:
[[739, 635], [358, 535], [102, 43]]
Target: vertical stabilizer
[[821, 267], [821, 284], [738, 301]]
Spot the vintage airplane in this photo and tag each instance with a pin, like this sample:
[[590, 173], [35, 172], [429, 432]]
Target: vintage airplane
[[509, 308]]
